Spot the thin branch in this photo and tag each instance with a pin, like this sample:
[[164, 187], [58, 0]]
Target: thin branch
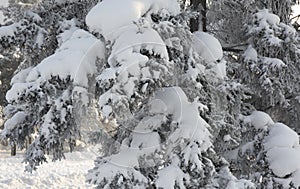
[[295, 17], [228, 49]]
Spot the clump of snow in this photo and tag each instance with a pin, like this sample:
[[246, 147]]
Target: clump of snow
[[102, 17], [234, 183], [259, 119], [267, 18], [17, 89], [191, 126], [10, 30], [281, 135], [208, 47], [68, 27], [219, 69], [283, 151], [283, 160], [171, 176], [127, 46], [78, 66], [18, 118], [3, 3], [273, 62], [250, 54], [21, 76], [281, 146]]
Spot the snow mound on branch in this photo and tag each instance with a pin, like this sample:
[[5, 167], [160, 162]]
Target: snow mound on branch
[[103, 19], [273, 62], [267, 18], [126, 49], [18, 118], [10, 30], [259, 119], [171, 176], [208, 47], [281, 135], [282, 149], [250, 54], [283, 161], [21, 76], [191, 126], [85, 49], [16, 89], [281, 146]]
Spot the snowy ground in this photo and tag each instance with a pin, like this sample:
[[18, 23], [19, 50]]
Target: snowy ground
[[67, 174]]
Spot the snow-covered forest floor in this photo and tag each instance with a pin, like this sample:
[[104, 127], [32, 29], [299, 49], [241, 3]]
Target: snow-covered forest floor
[[69, 173]]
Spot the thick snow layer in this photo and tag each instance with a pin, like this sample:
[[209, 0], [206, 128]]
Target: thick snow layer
[[282, 150], [273, 62], [8, 31], [103, 19], [219, 70], [281, 135], [18, 118], [267, 18], [83, 47], [259, 119], [250, 54], [283, 160], [208, 47], [128, 45], [171, 176], [16, 89], [3, 3], [191, 126], [68, 27], [69, 173], [21, 76]]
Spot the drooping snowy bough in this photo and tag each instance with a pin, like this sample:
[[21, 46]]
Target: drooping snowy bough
[[42, 99], [161, 140]]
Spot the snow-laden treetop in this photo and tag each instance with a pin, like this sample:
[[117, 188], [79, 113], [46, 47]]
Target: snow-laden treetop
[[103, 18]]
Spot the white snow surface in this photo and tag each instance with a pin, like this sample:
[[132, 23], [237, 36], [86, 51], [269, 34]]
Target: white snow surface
[[18, 118], [128, 45], [273, 62], [69, 173], [21, 76], [170, 176], [84, 47], [281, 135], [191, 126], [250, 54], [8, 31], [3, 3], [283, 160], [283, 151], [103, 19], [208, 47], [267, 18], [281, 146], [259, 119]]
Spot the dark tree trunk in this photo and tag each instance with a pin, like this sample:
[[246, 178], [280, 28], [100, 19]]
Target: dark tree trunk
[[194, 22], [13, 150]]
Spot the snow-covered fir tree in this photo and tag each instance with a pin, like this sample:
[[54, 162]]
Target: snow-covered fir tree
[[169, 107]]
